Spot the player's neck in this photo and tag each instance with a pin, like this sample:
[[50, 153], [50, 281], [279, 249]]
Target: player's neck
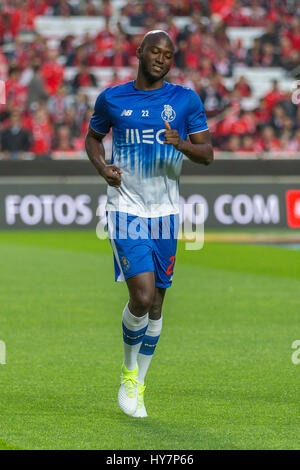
[[143, 83]]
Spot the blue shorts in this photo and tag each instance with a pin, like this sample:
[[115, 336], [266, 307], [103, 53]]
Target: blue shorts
[[142, 244]]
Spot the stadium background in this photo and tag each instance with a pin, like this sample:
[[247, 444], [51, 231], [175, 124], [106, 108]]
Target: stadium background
[[242, 58]]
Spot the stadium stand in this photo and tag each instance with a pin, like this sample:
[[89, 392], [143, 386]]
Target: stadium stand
[[241, 57]]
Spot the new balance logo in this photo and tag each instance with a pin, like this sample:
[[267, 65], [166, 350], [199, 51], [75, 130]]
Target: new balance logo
[[127, 112]]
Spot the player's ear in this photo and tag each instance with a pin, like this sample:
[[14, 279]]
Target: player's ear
[[139, 52]]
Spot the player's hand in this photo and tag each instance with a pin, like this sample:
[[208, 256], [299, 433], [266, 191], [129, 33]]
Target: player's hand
[[172, 137], [112, 175]]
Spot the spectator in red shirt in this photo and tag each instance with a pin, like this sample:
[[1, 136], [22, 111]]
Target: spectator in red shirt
[[248, 144], [171, 27], [245, 124], [233, 16], [233, 144], [243, 87], [203, 47], [293, 34], [16, 93], [63, 140], [221, 7], [4, 26], [274, 96], [256, 15], [223, 129], [41, 7], [106, 9], [269, 141], [22, 17], [206, 67], [119, 57], [52, 72], [262, 113], [84, 78], [42, 133], [193, 60], [3, 65]]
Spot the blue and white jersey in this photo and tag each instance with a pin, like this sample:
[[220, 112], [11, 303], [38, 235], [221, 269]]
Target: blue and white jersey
[[151, 169]]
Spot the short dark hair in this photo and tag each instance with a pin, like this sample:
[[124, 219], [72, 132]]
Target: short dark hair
[[155, 32]]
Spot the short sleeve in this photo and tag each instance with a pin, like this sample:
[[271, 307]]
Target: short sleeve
[[196, 114], [100, 120]]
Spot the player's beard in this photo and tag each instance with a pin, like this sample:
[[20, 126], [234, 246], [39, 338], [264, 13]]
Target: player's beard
[[147, 73]]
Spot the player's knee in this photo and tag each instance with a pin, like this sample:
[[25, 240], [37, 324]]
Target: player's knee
[[155, 311], [142, 301]]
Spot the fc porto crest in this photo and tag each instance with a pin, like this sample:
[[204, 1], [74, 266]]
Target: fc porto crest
[[168, 113], [125, 263]]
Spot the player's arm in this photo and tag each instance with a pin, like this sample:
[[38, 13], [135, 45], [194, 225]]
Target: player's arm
[[95, 151], [199, 149]]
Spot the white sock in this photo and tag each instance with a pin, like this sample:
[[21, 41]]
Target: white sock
[[148, 347], [134, 329]]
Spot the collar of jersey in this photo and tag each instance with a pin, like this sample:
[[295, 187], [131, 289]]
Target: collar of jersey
[[149, 91]]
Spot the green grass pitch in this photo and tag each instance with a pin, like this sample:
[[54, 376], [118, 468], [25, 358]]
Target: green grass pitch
[[222, 375]]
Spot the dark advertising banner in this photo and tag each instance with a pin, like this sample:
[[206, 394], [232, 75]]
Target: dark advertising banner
[[53, 206]]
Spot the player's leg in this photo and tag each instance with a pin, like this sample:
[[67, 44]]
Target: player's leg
[[164, 246], [141, 289], [148, 346], [152, 334], [134, 264], [164, 252], [141, 293]]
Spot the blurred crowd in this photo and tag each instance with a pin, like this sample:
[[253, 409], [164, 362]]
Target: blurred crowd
[[47, 113]]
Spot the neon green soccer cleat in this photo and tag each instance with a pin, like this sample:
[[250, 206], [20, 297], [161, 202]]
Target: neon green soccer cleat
[[141, 410], [128, 391]]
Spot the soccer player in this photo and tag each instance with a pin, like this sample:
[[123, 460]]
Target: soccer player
[[151, 120]]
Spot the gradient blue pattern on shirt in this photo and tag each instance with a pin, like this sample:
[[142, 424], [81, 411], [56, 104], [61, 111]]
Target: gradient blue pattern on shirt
[[137, 118]]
